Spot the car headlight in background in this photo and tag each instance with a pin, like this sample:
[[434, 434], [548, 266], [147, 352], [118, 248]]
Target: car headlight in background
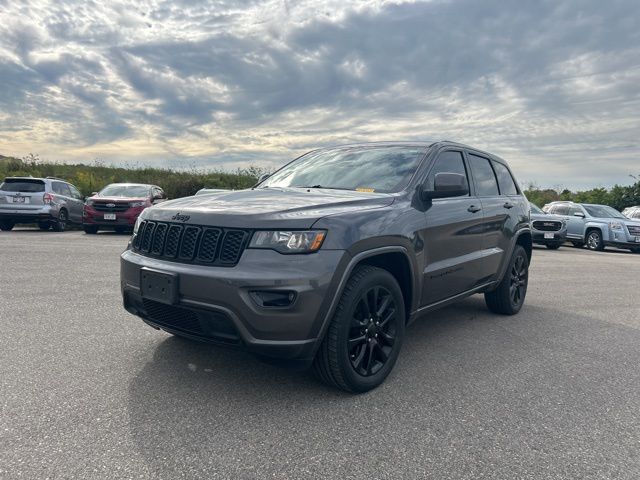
[[294, 241], [137, 204], [615, 225], [88, 202]]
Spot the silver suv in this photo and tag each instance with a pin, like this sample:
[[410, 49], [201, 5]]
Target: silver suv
[[597, 226], [632, 212], [48, 202]]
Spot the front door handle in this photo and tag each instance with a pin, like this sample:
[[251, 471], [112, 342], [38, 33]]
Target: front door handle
[[508, 205], [473, 209]]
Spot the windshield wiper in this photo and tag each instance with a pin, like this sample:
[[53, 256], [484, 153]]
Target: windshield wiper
[[322, 186]]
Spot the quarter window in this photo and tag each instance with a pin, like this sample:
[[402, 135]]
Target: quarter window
[[505, 180], [447, 162], [483, 176]]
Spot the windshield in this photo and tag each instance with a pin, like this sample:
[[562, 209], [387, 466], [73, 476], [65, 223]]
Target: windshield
[[535, 209], [602, 211], [125, 191], [22, 185], [366, 169]]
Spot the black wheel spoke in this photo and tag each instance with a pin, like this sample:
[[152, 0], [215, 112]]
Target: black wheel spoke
[[354, 342], [383, 305], [389, 316], [388, 339], [381, 353]]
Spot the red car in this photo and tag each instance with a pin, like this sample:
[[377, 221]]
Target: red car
[[118, 205]]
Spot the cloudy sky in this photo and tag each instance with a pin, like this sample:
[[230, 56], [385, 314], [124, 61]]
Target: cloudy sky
[[552, 86]]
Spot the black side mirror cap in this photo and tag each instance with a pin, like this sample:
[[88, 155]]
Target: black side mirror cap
[[447, 184]]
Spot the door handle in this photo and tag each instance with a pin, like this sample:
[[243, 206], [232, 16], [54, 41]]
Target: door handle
[[473, 209], [508, 205]]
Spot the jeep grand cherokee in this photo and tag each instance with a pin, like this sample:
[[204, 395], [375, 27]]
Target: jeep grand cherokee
[[328, 260]]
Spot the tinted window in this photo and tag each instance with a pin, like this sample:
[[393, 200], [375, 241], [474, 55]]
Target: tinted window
[[561, 210], [574, 210], [505, 180], [368, 169], [483, 176], [125, 190], [635, 214], [602, 211], [15, 185], [61, 189], [449, 162], [75, 193]]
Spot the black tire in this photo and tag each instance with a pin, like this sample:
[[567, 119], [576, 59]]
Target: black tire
[[357, 352], [61, 223], [121, 229], [577, 244], [553, 246], [44, 226], [635, 250], [6, 225], [90, 229], [594, 240], [509, 297]]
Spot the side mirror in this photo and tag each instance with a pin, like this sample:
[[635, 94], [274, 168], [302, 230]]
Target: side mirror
[[578, 214], [445, 185], [263, 177]]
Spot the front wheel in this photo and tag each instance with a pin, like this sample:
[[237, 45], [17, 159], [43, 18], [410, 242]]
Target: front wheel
[[553, 246], [365, 335], [44, 226], [6, 226], [508, 298], [635, 250], [594, 241], [90, 229], [577, 244]]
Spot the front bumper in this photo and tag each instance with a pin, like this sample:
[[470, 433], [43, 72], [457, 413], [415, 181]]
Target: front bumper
[[215, 304], [91, 216], [538, 236]]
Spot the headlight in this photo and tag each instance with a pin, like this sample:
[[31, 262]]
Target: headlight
[[137, 225], [289, 241], [615, 225], [88, 202], [137, 204]]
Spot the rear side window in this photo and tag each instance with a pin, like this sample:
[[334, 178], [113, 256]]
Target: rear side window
[[505, 180], [447, 162], [483, 176], [22, 185]]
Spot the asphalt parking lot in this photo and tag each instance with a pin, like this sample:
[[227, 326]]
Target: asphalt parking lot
[[89, 391]]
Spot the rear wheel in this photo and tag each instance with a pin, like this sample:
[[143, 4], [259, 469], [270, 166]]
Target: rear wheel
[[509, 297], [594, 240], [90, 229], [6, 226], [365, 335], [61, 223]]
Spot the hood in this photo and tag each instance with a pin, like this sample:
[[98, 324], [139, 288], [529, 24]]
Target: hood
[[547, 217], [265, 207], [118, 199]]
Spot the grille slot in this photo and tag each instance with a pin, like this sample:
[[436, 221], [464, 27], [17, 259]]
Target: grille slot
[[191, 243], [547, 225], [117, 207], [634, 230]]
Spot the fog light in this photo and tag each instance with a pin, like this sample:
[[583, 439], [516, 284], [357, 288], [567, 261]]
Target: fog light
[[273, 298]]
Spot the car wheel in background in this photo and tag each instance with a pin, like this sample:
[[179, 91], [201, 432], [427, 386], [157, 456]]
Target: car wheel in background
[[365, 335], [90, 229], [5, 226], [635, 250], [553, 246], [508, 298], [61, 223], [594, 240]]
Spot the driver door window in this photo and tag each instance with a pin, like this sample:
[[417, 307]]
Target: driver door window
[[447, 162]]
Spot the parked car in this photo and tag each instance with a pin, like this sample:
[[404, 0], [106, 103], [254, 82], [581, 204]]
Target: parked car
[[324, 262], [546, 229], [632, 212], [207, 191], [597, 226], [117, 206], [48, 202]]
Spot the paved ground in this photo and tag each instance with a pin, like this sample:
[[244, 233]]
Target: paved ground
[[88, 391]]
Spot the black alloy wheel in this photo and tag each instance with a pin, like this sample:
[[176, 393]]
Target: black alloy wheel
[[519, 279]]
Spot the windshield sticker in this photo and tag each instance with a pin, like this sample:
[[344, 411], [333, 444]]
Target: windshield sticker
[[367, 190]]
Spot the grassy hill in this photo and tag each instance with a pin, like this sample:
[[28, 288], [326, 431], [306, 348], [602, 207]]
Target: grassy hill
[[91, 178]]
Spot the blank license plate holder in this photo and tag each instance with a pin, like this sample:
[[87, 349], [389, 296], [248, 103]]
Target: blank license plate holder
[[159, 286]]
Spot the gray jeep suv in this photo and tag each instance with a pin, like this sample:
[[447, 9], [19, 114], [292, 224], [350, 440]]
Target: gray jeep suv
[[326, 261], [48, 202], [597, 226]]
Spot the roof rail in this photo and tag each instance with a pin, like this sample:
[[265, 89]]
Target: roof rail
[[56, 178]]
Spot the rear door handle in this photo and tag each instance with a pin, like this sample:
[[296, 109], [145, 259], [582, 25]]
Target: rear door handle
[[508, 205], [473, 209]]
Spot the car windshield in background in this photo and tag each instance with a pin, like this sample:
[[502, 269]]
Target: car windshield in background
[[27, 186], [125, 191], [602, 211], [535, 209], [366, 169]]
